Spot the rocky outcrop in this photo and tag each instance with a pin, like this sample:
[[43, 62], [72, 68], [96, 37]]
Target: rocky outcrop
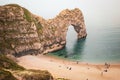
[[18, 31], [55, 29], [22, 32]]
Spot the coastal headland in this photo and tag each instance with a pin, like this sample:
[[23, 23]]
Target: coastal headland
[[25, 35]]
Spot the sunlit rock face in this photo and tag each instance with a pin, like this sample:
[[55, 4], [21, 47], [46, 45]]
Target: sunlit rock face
[[21, 32], [55, 30], [18, 32]]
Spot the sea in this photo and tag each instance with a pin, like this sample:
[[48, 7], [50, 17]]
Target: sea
[[101, 45]]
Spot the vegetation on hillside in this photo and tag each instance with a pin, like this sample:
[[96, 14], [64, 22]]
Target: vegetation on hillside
[[6, 63], [6, 75], [10, 70], [27, 15]]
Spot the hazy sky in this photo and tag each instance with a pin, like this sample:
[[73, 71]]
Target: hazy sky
[[96, 12]]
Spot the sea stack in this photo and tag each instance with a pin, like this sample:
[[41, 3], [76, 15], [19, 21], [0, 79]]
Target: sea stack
[[22, 32]]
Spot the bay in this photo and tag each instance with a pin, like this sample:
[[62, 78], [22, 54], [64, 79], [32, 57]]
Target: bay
[[101, 45]]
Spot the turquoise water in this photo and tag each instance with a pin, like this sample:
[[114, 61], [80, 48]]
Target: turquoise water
[[102, 44]]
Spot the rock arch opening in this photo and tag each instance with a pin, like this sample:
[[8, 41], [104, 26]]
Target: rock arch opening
[[71, 38]]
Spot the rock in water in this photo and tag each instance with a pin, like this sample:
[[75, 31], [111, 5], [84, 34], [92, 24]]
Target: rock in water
[[22, 32]]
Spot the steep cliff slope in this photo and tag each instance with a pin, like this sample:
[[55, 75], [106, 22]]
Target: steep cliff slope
[[21, 32], [10, 70], [18, 31]]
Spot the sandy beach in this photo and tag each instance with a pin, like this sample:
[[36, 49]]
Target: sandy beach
[[61, 68]]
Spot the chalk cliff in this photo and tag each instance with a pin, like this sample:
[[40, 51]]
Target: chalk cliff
[[22, 32]]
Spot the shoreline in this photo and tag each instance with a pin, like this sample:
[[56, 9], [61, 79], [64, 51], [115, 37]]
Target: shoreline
[[81, 62], [72, 70]]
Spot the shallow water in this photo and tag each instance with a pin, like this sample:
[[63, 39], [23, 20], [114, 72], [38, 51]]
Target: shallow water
[[102, 44]]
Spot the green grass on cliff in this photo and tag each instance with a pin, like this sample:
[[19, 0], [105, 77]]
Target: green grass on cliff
[[61, 79], [6, 75], [39, 29], [8, 68], [27, 15], [38, 26], [7, 63], [35, 75]]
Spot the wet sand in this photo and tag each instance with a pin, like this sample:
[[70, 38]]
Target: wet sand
[[73, 70]]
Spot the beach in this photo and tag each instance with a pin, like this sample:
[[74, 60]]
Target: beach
[[73, 70]]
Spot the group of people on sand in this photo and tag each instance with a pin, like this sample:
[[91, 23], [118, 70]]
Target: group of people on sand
[[107, 66], [69, 68]]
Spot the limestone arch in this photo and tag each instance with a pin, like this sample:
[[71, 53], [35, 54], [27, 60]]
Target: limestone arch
[[76, 19], [79, 28], [55, 30]]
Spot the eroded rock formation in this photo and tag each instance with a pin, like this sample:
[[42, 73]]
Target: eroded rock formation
[[22, 32]]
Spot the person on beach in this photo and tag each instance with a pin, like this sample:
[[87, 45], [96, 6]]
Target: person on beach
[[107, 65], [101, 73], [106, 68], [70, 68], [77, 62]]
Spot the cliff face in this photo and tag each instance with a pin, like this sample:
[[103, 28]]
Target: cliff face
[[22, 32], [18, 31]]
